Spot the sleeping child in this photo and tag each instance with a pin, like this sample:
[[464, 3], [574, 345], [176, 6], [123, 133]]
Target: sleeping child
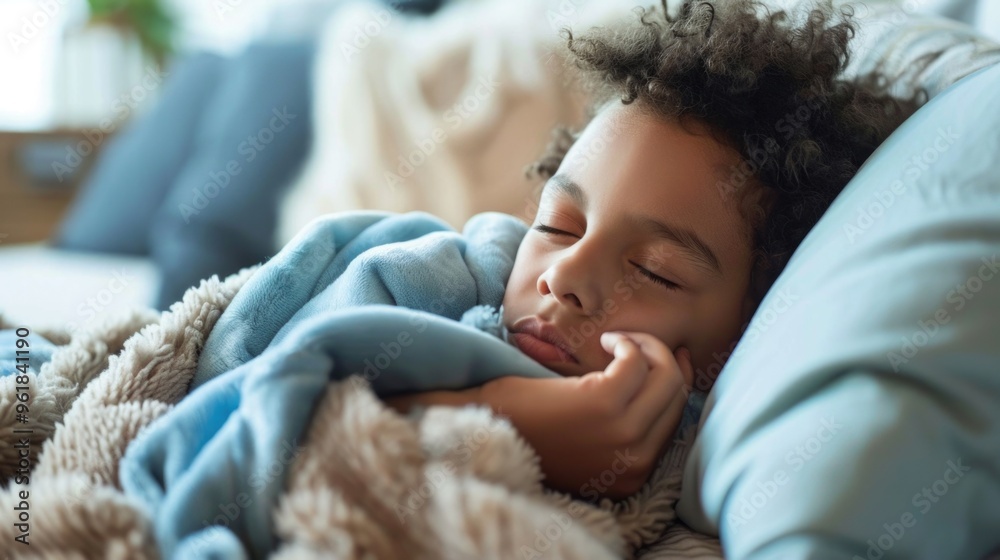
[[718, 138]]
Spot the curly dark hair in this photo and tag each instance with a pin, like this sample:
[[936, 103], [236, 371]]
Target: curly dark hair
[[763, 85]]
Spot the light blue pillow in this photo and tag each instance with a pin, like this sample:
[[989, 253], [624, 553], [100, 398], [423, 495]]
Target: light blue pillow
[[859, 417]]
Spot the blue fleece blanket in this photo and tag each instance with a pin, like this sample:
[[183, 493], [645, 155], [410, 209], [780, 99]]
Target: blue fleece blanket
[[403, 300]]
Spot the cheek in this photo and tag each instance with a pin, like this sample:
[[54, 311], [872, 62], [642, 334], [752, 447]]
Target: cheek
[[675, 320], [522, 278], [666, 320], [529, 263], [716, 336]]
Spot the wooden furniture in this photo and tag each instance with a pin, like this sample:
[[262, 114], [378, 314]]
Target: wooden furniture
[[39, 175]]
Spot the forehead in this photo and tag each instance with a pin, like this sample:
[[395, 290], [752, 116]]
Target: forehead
[[630, 162], [658, 142]]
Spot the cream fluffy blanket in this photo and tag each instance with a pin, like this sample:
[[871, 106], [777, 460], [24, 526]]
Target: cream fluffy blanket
[[366, 483]]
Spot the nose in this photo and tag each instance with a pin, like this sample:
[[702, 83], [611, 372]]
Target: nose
[[571, 281]]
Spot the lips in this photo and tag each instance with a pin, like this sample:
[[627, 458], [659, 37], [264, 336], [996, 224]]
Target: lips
[[541, 341]]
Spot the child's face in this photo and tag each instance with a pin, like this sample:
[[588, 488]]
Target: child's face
[[634, 191]]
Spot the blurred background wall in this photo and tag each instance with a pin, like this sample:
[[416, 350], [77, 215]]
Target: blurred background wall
[[64, 67]]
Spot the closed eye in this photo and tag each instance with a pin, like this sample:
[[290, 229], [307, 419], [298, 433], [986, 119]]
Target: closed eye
[[657, 279], [551, 230]]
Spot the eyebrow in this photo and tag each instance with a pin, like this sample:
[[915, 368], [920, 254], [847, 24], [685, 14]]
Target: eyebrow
[[694, 246], [561, 184]]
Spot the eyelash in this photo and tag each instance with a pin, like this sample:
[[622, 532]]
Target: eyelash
[[657, 279], [667, 284], [551, 230]]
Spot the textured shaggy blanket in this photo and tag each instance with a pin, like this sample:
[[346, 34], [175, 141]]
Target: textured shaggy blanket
[[403, 300], [366, 482]]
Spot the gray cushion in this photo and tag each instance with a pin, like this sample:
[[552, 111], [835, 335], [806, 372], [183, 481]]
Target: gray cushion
[[136, 169], [221, 212]]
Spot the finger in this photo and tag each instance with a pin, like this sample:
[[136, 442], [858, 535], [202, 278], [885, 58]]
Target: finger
[[662, 430], [653, 349], [627, 373], [659, 434], [683, 357], [662, 387]]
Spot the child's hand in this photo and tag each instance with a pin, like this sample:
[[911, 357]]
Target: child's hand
[[602, 434]]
